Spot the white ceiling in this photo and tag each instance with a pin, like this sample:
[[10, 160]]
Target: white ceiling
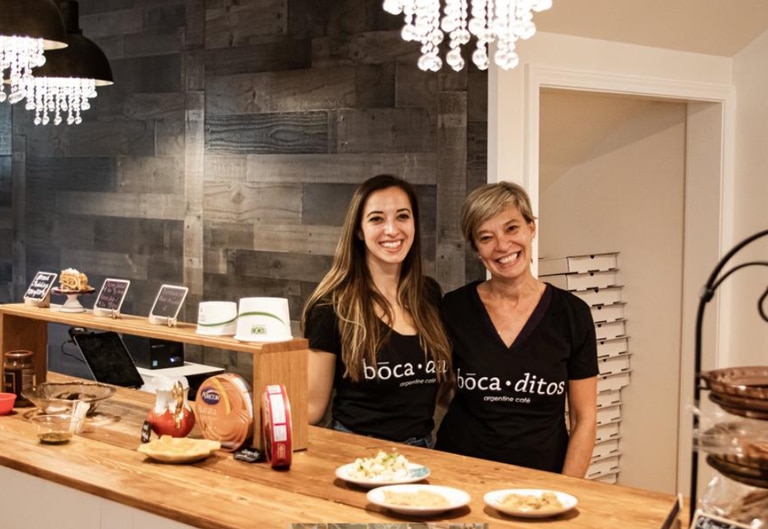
[[714, 27]]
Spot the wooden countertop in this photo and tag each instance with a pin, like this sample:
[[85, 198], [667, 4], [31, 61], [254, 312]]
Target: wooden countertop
[[221, 493]]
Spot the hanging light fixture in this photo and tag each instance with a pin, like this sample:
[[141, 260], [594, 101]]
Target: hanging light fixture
[[500, 21], [69, 78], [27, 28]]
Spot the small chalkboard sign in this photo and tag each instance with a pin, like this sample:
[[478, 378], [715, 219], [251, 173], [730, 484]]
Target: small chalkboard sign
[[167, 304], [40, 288], [710, 521], [111, 297]]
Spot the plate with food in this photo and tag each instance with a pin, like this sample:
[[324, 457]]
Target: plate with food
[[169, 449], [530, 503], [382, 469], [416, 499]]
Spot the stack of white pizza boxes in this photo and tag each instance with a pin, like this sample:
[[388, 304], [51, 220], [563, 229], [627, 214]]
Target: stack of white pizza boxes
[[594, 278]]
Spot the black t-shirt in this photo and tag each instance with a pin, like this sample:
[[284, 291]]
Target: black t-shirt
[[510, 401], [395, 400]]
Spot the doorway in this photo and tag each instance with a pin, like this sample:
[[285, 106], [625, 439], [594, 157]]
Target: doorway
[[709, 132], [612, 180]]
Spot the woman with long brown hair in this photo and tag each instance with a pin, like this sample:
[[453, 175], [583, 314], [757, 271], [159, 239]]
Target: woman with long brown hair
[[373, 322]]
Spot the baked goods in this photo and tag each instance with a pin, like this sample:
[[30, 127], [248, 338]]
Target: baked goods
[[381, 467], [750, 509], [72, 279], [546, 501], [420, 498], [169, 449]]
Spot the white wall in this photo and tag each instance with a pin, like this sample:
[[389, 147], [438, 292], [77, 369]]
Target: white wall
[[747, 341]]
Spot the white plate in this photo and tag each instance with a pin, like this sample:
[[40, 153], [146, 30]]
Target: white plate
[[455, 498], [416, 473], [494, 499]]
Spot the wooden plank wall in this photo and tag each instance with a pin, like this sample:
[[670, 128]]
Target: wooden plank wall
[[225, 153]]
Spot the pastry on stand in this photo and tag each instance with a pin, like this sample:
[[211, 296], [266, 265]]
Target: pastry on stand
[[72, 283]]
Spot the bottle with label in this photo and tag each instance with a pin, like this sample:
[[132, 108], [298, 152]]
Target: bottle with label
[[18, 374]]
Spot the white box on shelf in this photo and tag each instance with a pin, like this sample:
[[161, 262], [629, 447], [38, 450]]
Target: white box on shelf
[[608, 398], [610, 329], [606, 449], [608, 415], [600, 296], [612, 312], [577, 263], [605, 432], [612, 382], [603, 467], [612, 347], [584, 281], [611, 478], [612, 365]]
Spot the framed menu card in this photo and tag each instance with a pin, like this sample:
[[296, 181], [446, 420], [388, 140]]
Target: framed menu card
[[167, 304], [111, 297], [38, 292]]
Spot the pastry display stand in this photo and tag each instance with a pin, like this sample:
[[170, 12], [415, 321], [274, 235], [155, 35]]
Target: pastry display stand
[[73, 303], [26, 327], [715, 280]]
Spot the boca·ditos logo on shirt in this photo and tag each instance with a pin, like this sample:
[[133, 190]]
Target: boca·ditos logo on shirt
[[406, 370], [528, 384]]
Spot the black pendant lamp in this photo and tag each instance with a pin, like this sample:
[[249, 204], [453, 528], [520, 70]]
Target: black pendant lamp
[[69, 77], [27, 29]]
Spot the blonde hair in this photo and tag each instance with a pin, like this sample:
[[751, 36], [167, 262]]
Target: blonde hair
[[348, 288], [489, 200]]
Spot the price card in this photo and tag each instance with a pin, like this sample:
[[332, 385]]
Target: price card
[[111, 297], [710, 521], [39, 288], [167, 304]]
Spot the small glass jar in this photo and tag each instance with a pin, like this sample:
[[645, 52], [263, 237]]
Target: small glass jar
[[18, 374]]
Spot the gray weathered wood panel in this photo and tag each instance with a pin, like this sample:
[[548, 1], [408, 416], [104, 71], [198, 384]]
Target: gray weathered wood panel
[[232, 23], [288, 132], [288, 91], [416, 167], [226, 152]]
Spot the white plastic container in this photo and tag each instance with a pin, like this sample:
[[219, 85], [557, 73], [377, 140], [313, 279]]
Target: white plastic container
[[217, 318], [263, 320]]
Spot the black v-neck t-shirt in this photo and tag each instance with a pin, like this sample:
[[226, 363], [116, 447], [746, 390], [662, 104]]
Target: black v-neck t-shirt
[[396, 399], [509, 404]]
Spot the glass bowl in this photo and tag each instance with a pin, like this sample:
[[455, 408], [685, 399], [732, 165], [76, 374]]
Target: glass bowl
[[56, 428], [58, 397]]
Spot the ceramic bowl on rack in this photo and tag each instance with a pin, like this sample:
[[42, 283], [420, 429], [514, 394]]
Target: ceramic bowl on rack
[[749, 382], [741, 406], [748, 475]]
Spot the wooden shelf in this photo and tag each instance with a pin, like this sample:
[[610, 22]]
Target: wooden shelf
[[26, 327]]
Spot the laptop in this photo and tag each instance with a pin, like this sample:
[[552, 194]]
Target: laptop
[[107, 357]]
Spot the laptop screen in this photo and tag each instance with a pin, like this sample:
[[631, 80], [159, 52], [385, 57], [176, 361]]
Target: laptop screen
[[107, 358]]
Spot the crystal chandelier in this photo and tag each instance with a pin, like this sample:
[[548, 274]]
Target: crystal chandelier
[[64, 85], [58, 95], [499, 21], [27, 28]]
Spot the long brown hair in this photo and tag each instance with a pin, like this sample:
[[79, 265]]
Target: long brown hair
[[348, 288]]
